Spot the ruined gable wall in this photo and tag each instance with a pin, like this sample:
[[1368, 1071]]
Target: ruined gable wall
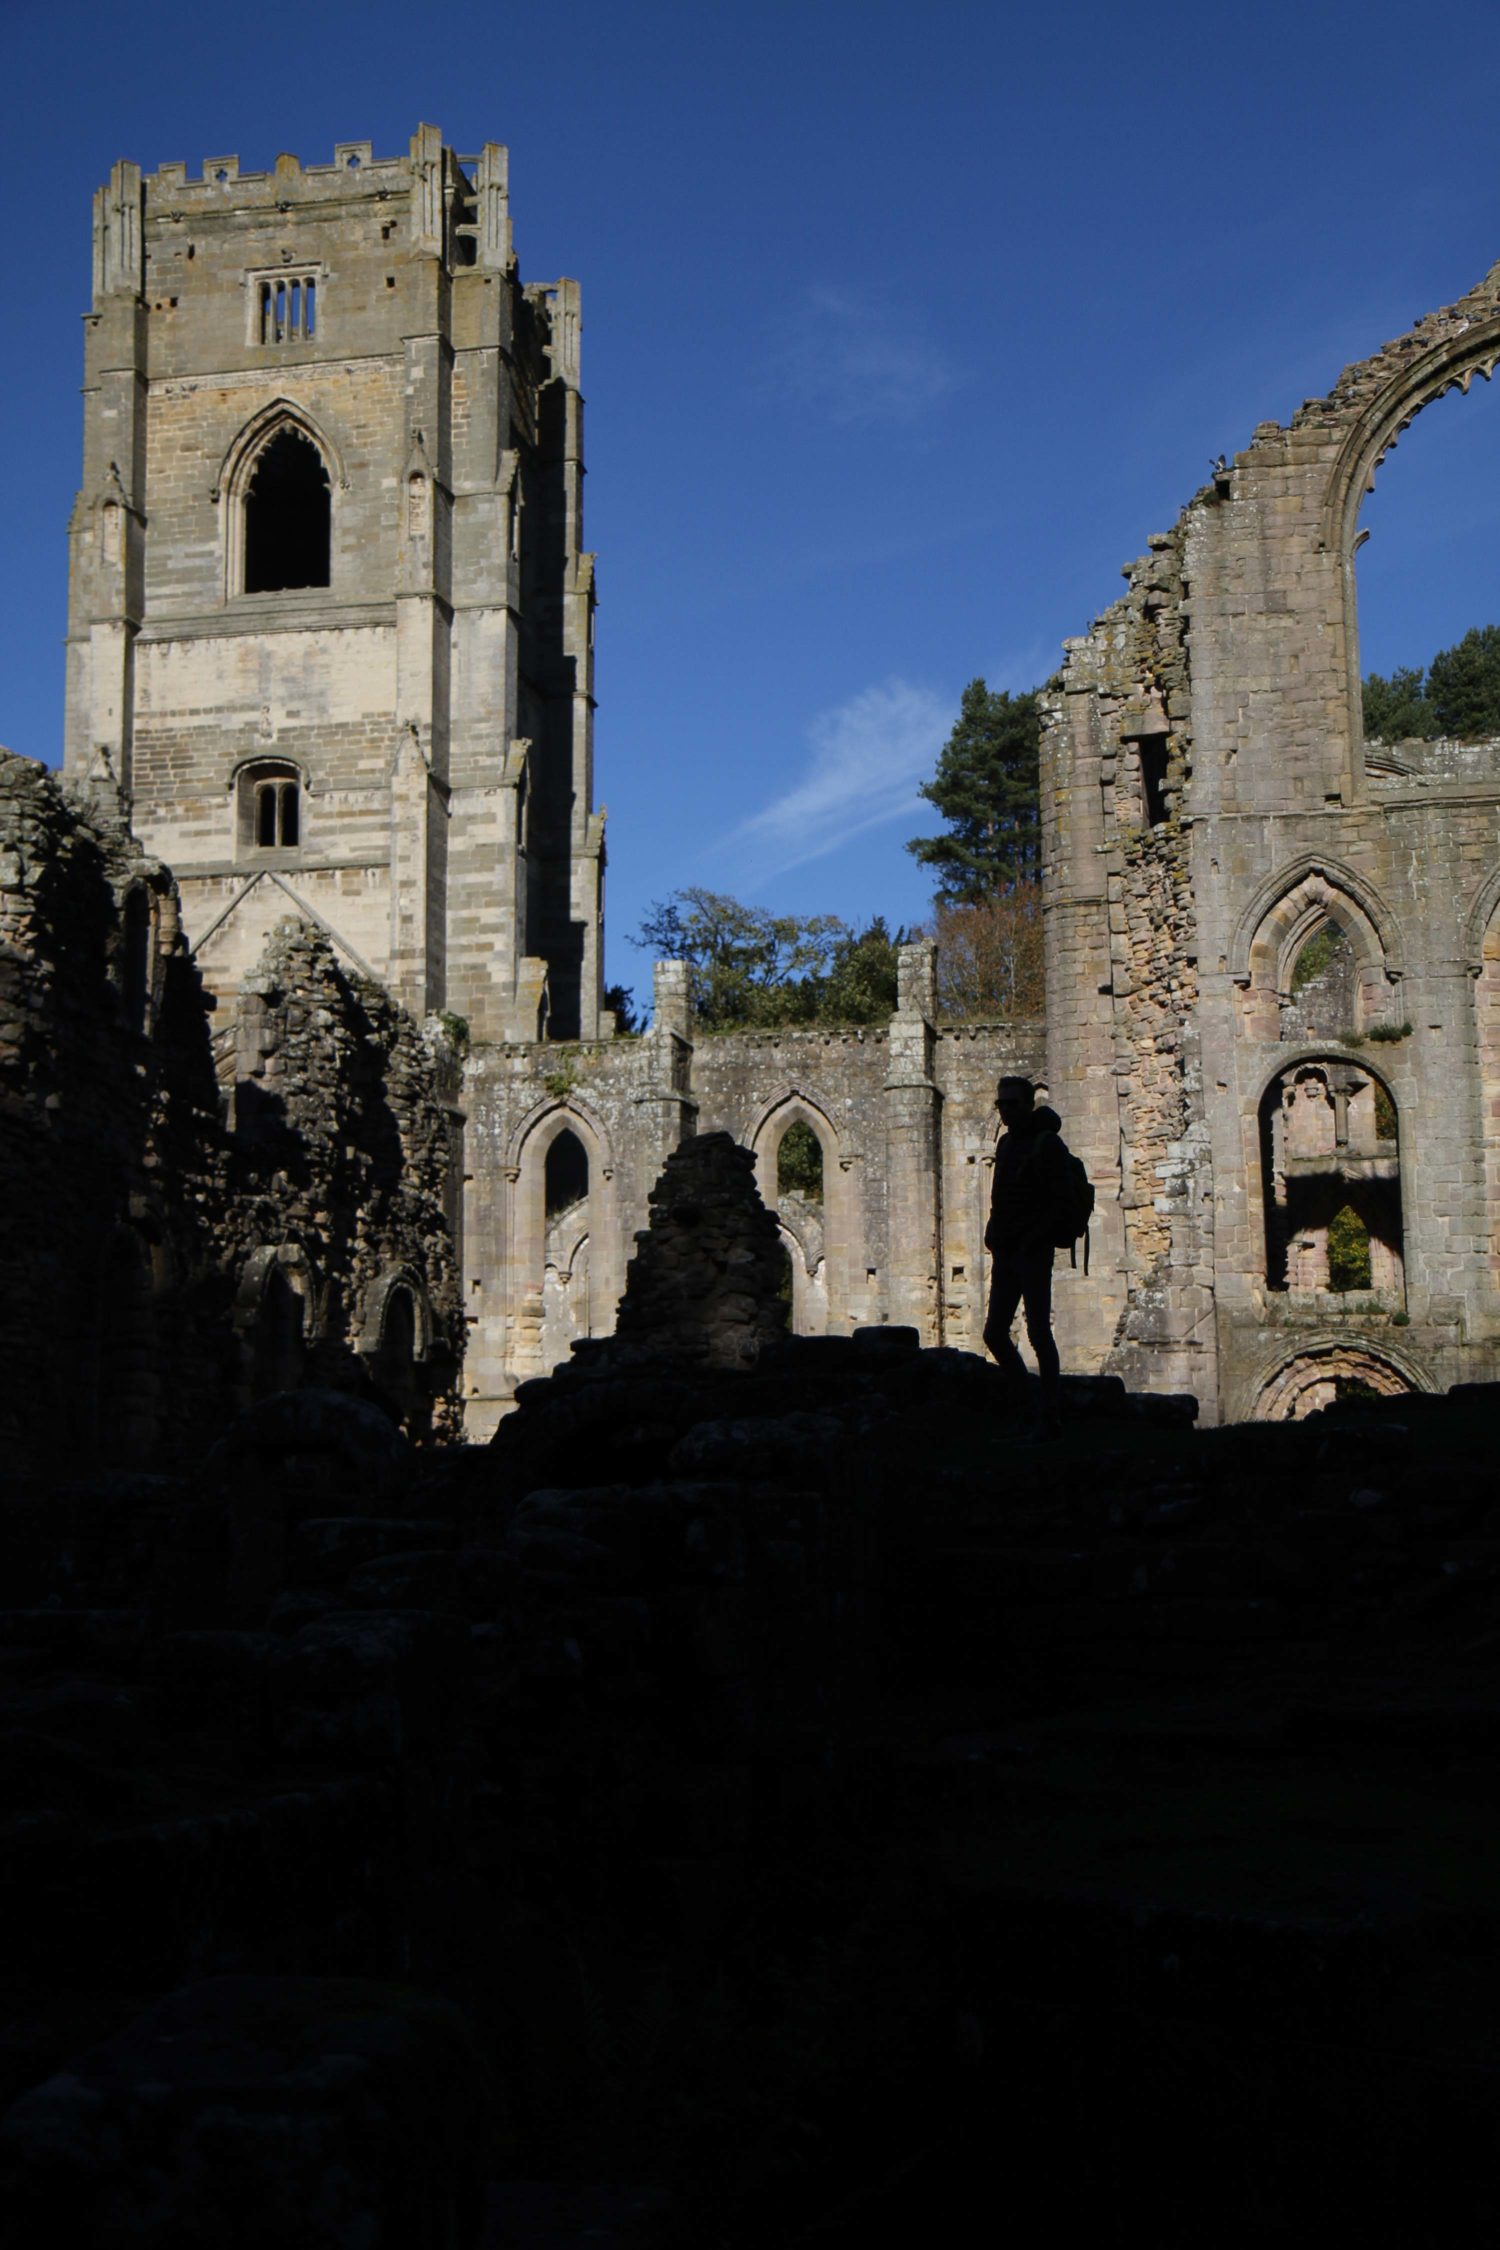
[[1243, 619], [343, 1150]]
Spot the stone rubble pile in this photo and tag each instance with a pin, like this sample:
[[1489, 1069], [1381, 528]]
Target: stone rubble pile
[[705, 1286]]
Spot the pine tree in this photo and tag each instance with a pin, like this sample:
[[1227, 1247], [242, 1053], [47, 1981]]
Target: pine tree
[[1463, 686], [986, 788]]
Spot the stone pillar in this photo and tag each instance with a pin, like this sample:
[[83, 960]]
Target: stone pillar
[[913, 1109], [665, 1108], [107, 570]]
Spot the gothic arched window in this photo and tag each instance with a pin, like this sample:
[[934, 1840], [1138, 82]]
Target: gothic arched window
[[288, 516]]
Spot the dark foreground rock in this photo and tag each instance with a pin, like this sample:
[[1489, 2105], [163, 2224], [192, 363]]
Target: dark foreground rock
[[748, 1801]]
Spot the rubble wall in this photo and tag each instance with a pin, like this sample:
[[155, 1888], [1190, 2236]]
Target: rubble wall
[[190, 1225]]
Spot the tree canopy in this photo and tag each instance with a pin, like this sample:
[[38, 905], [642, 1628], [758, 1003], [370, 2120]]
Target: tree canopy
[[1458, 695], [748, 967], [986, 788], [990, 960]]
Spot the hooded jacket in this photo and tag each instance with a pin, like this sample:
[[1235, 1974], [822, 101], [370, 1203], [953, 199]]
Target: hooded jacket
[[1028, 1189]]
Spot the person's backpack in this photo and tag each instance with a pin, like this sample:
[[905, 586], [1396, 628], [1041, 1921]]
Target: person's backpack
[[1075, 1208]]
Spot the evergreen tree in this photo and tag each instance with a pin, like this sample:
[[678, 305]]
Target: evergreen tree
[[629, 1021], [1459, 695], [986, 788], [1463, 686], [1397, 709]]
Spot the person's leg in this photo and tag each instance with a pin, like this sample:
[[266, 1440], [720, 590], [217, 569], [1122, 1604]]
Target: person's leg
[[1006, 1287], [1037, 1298]]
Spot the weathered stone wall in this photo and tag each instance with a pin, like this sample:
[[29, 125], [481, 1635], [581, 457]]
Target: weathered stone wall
[[432, 701], [1210, 803], [898, 1232], [184, 1229]]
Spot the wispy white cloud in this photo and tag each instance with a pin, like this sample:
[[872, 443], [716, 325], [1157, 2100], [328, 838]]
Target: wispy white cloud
[[867, 759], [859, 362]]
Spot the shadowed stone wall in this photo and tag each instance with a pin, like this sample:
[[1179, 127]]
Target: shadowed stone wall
[[185, 1229]]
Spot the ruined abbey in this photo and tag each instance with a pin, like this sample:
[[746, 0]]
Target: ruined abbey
[[302, 1046]]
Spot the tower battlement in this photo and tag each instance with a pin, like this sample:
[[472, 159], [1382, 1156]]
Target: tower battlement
[[455, 207]]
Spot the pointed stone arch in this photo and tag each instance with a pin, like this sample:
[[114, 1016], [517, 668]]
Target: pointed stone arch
[[1480, 921], [565, 1275], [240, 455], [276, 1316], [819, 1245], [281, 418], [1461, 342], [1451, 363], [1284, 914], [1321, 1367]]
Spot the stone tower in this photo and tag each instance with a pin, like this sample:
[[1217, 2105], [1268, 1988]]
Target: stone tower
[[330, 635]]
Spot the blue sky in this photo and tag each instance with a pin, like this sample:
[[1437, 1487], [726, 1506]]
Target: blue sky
[[902, 329]]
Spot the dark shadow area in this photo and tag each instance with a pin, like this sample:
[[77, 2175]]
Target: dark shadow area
[[288, 517], [566, 1174]]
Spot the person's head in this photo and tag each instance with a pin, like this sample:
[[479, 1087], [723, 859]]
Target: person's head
[[1014, 1098]]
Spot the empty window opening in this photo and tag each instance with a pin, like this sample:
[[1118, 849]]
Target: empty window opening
[[1152, 751], [279, 1341], [1429, 583], [1348, 1251], [288, 517], [1324, 997], [394, 1362], [1330, 1161], [567, 1174], [288, 308], [270, 808], [276, 814], [799, 1163]]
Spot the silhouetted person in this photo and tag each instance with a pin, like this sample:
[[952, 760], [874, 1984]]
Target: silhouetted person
[[1026, 1203]]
